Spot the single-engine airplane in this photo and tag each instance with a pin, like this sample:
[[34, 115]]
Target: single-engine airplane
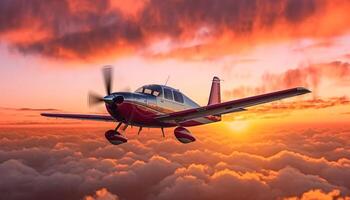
[[161, 106]]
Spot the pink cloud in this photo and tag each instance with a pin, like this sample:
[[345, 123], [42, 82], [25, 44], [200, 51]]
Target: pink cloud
[[217, 166]]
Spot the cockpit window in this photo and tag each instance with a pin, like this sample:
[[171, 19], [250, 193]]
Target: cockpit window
[[147, 91], [168, 94], [178, 97], [140, 90], [154, 90], [155, 93]]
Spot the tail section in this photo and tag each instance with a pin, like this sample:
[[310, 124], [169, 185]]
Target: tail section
[[215, 96]]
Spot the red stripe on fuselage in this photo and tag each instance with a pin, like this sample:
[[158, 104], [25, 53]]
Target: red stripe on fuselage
[[143, 115]]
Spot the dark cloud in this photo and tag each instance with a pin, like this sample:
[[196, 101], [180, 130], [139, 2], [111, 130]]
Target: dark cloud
[[73, 163], [297, 10], [85, 43], [78, 29], [70, 29], [239, 16]]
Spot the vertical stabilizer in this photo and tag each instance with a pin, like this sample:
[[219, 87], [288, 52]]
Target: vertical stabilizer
[[215, 96]]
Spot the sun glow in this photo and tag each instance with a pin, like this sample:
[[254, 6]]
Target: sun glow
[[240, 126]]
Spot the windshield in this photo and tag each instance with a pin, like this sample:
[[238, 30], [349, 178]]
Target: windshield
[[154, 90]]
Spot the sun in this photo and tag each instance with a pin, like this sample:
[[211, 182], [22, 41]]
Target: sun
[[239, 126]]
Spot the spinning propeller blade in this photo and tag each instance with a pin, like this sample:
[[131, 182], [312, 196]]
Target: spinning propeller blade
[[107, 76], [94, 98]]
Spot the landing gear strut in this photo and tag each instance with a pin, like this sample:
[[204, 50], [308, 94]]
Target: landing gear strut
[[116, 128], [140, 129], [162, 132], [125, 127]]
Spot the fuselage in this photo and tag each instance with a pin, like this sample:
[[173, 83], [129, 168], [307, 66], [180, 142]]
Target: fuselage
[[140, 108]]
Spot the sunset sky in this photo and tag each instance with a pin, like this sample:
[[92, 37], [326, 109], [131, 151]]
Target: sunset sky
[[51, 55]]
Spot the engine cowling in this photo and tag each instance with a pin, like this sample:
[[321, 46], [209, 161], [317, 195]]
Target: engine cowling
[[183, 135], [115, 137]]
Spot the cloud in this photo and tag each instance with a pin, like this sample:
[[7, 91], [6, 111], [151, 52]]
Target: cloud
[[37, 109], [31, 117], [307, 104], [311, 76], [29, 109], [319, 194], [102, 194], [74, 29], [66, 29], [301, 105], [283, 109], [224, 184], [75, 163]]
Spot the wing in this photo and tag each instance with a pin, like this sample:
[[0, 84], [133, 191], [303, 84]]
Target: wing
[[231, 106], [80, 116]]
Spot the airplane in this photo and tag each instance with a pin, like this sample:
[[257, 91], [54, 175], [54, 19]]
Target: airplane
[[161, 106]]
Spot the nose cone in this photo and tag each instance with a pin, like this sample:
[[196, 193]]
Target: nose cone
[[108, 98], [118, 99]]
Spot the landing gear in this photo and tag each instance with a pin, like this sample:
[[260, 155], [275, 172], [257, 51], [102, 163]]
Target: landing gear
[[115, 137], [183, 135]]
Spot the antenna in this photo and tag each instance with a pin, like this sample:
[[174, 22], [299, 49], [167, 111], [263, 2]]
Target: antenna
[[166, 82]]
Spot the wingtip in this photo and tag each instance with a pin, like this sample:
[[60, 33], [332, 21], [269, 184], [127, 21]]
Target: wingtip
[[45, 114], [304, 90]]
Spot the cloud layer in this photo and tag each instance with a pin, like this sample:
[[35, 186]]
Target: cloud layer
[[73, 163], [76, 29]]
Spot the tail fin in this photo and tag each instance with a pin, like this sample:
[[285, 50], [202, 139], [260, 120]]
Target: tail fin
[[215, 96]]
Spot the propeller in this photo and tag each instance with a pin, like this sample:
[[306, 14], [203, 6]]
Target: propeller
[[107, 76], [94, 98]]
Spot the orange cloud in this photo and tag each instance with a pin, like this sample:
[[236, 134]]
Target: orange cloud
[[283, 109], [311, 76], [102, 194], [74, 29], [320, 195], [303, 104], [272, 164]]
